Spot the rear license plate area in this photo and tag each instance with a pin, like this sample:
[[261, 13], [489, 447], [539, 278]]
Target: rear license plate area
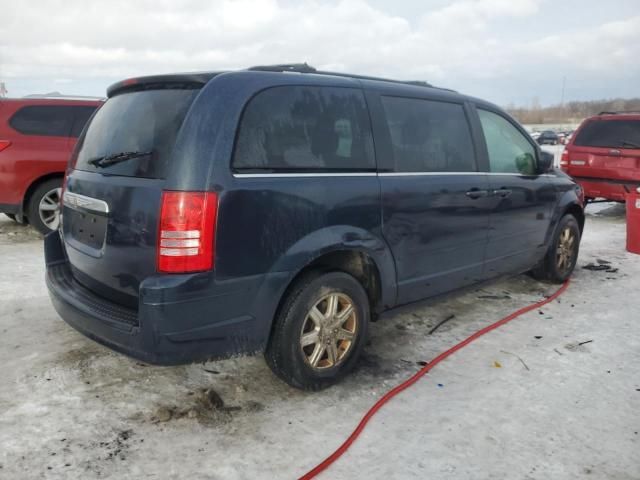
[[85, 227]]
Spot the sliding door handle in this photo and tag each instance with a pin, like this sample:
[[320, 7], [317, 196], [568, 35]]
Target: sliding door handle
[[502, 192], [475, 193]]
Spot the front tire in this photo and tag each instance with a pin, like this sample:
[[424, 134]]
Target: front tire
[[560, 260], [320, 330], [43, 209]]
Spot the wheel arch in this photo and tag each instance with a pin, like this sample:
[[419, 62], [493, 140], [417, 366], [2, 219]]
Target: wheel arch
[[356, 262], [35, 184], [578, 212], [568, 202]]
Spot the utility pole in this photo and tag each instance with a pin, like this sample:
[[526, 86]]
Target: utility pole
[[564, 81], [3, 90]]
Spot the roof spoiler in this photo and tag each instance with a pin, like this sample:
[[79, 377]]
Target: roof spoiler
[[158, 82]]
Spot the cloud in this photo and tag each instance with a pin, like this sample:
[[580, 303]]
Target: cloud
[[609, 49], [475, 13], [455, 45]]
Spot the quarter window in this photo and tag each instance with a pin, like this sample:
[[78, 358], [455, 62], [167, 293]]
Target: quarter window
[[429, 136], [509, 150], [297, 128], [81, 117]]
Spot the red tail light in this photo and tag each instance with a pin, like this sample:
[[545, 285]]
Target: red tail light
[[564, 159], [4, 144], [187, 231], [64, 188]]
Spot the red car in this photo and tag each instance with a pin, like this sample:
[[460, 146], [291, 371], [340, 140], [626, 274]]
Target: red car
[[603, 155], [37, 136]]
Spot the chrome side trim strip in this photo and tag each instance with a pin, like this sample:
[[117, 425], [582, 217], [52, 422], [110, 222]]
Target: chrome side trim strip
[[373, 174], [425, 174], [303, 175], [521, 174], [77, 201]]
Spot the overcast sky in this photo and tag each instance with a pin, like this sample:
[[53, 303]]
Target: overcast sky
[[506, 51]]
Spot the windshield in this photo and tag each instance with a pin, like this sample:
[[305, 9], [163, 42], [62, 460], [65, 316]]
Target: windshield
[[610, 134], [145, 121]]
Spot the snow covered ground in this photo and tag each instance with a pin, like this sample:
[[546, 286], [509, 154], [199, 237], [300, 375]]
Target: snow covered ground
[[569, 410]]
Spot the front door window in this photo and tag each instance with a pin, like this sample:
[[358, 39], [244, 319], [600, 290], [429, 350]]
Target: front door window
[[509, 150]]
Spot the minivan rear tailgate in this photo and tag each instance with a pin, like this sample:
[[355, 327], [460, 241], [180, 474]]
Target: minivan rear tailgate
[[113, 193], [110, 228]]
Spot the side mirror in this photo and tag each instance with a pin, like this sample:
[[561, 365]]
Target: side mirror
[[545, 162]]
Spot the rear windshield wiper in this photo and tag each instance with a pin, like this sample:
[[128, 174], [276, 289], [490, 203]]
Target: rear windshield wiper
[[631, 144], [117, 158]]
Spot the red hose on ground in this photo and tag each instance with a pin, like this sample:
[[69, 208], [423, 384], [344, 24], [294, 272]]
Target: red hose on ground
[[420, 373]]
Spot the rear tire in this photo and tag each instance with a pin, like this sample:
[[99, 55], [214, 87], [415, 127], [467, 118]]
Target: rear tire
[[310, 347], [560, 260], [43, 209]]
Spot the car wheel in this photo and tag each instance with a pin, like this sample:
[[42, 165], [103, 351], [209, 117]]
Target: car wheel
[[43, 210], [319, 331], [560, 260]]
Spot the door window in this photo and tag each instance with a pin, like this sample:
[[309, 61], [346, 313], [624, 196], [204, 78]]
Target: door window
[[509, 150], [429, 136]]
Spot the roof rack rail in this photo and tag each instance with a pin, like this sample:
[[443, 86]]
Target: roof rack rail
[[285, 67], [619, 112], [306, 68], [60, 96]]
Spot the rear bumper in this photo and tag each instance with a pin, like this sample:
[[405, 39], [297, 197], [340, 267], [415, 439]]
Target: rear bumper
[[171, 325], [615, 190]]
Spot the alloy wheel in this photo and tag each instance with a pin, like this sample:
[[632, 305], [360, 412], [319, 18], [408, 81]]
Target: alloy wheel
[[49, 208], [565, 250], [329, 331]]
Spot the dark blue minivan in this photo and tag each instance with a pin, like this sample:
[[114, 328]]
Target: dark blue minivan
[[279, 209]]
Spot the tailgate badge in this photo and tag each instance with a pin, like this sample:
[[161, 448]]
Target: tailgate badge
[[77, 201]]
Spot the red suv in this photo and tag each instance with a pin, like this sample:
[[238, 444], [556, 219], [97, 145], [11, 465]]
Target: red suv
[[37, 135], [603, 155]]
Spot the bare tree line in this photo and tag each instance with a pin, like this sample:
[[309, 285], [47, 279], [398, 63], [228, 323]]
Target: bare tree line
[[572, 112]]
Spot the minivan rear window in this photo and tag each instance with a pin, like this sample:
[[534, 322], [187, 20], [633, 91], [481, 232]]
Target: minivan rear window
[[294, 128], [609, 134], [142, 122]]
